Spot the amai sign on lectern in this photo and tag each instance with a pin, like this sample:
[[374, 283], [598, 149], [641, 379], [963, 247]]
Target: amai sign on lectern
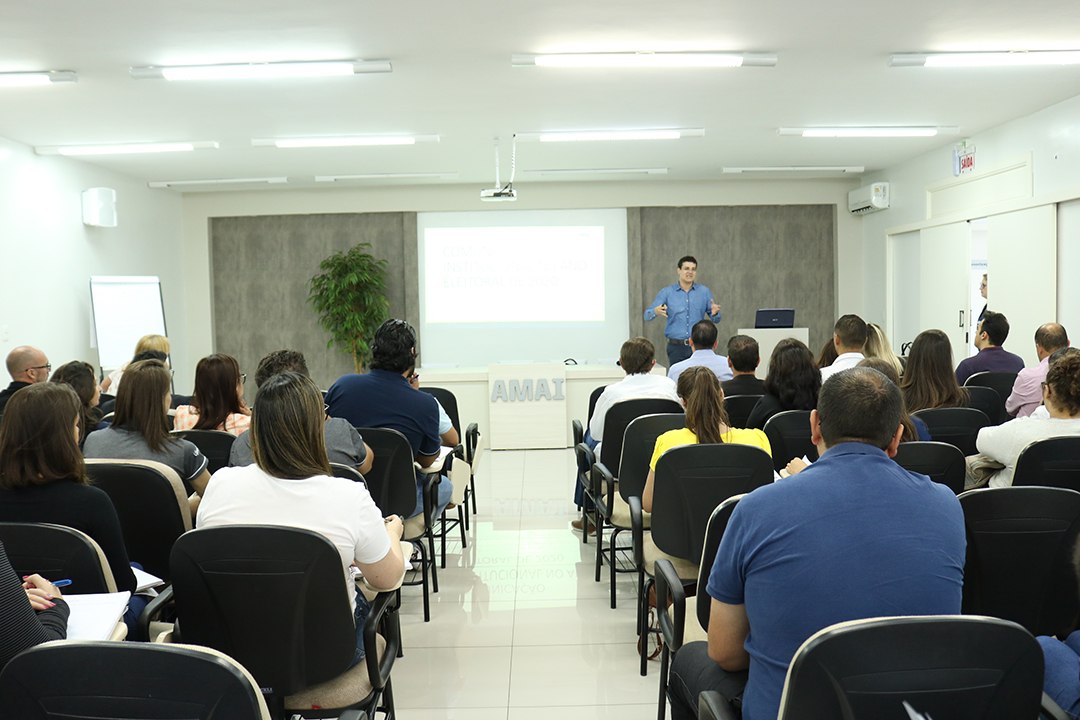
[[527, 405]]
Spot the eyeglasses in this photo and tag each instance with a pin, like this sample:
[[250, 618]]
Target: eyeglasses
[[326, 408], [243, 378], [46, 366]]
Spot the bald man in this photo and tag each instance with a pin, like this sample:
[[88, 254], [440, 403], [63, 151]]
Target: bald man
[[1026, 394], [26, 365]]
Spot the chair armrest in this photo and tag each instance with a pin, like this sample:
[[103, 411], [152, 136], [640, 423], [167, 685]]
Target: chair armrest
[[578, 431], [154, 610], [670, 591], [1050, 709], [431, 496], [353, 714], [714, 706], [472, 440], [604, 501], [459, 451], [637, 530], [381, 619]]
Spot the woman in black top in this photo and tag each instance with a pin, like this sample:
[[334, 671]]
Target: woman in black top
[[793, 383], [33, 611]]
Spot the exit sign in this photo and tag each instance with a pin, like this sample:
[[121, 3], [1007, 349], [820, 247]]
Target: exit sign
[[963, 158]]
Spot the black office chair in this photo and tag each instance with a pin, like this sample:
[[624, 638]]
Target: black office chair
[[1020, 542], [639, 440], [987, 399], [448, 401], [671, 603], [689, 483], [214, 444], [789, 437], [957, 426], [346, 472], [392, 484], [297, 647], [58, 552], [1001, 382], [128, 681], [739, 408], [152, 506], [942, 462], [942, 666], [1054, 462], [593, 397]]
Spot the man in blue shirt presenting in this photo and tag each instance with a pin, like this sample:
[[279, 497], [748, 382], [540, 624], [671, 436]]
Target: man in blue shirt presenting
[[683, 304]]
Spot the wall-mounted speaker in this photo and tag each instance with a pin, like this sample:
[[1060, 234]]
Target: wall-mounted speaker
[[99, 207]]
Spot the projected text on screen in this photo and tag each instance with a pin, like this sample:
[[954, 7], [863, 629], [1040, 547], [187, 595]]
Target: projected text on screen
[[514, 274]]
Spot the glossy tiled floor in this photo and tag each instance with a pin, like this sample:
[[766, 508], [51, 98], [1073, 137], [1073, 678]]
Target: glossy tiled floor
[[519, 630]]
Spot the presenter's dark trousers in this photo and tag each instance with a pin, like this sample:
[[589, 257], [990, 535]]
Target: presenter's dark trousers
[[693, 672], [677, 353]]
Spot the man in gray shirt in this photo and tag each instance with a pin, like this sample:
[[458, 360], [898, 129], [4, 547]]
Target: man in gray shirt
[[343, 443]]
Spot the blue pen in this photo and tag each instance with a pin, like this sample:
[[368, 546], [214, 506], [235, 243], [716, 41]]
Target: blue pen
[[62, 583]]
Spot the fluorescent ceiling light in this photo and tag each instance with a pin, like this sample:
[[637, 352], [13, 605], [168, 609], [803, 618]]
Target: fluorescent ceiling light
[[611, 135], [646, 60], [343, 141], [124, 149], [388, 176], [220, 181], [32, 79], [795, 169], [599, 171], [987, 59], [262, 71], [882, 131]]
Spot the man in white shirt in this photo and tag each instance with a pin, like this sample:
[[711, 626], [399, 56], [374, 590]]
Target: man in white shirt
[[703, 343], [1026, 394], [849, 337]]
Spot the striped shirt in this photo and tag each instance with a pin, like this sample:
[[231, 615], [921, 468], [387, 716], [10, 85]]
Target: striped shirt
[[22, 626]]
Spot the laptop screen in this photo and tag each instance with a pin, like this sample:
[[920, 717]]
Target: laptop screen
[[775, 318]]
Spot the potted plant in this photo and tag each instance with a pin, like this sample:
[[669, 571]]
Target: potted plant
[[349, 297]]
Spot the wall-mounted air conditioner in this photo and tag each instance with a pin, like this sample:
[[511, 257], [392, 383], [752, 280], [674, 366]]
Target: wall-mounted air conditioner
[[872, 198]]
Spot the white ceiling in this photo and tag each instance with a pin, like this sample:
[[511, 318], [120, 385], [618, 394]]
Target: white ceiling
[[452, 76]]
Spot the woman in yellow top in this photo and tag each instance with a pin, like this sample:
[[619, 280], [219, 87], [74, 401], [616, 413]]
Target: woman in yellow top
[[706, 422]]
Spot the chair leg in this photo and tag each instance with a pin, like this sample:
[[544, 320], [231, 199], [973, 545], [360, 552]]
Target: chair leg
[[465, 505], [584, 525], [434, 571], [462, 520], [640, 600], [442, 539], [472, 490], [599, 548], [661, 706], [397, 619], [424, 578], [611, 568], [388, 700], [643, 639]]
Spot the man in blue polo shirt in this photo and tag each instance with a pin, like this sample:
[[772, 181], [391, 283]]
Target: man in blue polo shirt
[[683, 304], [853, 536], [385, 397]]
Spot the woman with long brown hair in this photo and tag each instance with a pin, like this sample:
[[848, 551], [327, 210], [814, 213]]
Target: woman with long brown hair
[[218, 403], [80, 377], [929, 380], [792, 383]]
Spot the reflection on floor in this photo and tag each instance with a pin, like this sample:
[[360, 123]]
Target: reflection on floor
[[518, 625]]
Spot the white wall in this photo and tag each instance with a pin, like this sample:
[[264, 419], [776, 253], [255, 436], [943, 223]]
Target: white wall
[[1050, 138], [48, 255], [200, 207]]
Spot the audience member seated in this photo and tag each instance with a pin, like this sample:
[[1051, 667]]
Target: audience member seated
[[26, 365], [140, 428], [928, 380], [841, 533], [384, 397], [1004, 443], [992, 357], [827, 355], [32, 609], [1026, 394], [43, 478], [1041, 413], [743, 357], [218, 402], [849, 337], [877, 346], [706, 423], [914, 428], [80, 377], [290, 484], [793, 383], [343, 443], [703, 344], [1061, 677], [156, 344]]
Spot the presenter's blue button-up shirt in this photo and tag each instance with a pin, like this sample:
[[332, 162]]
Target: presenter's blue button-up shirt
[[684, 308]]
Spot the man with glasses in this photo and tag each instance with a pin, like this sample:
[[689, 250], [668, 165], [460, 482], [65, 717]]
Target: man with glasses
[[26, 365]]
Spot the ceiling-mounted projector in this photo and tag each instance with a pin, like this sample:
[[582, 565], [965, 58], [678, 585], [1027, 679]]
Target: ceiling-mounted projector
[[503, 194]]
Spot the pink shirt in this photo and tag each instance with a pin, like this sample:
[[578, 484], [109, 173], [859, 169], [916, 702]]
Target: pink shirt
[[186, 417], [1026, 394]]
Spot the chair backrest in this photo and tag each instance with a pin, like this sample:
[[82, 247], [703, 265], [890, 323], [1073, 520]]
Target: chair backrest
[[637, 449], [942, 462], [1019, 549], [271, 597], [57, 552], [714, 533], [128, 681], [448, 401], [214, 444], [593, 397], [691, 481], [392, 478], [1002, 382], [1054, 462], [960, 668], [987, 399], [151, 504], [619, 416], [739, 407], [349, 473], [789, 437], [957, 426]]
